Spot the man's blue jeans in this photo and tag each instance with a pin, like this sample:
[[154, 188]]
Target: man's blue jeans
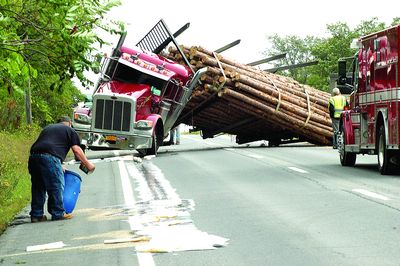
[[47, 176]]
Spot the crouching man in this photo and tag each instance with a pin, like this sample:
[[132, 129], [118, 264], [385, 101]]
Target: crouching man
[[45, 168]]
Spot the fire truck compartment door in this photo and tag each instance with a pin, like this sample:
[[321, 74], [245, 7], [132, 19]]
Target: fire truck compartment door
[[364, 128]]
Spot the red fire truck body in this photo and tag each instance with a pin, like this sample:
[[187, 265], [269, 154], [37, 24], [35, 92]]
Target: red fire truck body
[[372, 124], [138, 96]]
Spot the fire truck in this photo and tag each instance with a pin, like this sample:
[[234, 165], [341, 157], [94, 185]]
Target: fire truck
[[371, 125], [138, 96]]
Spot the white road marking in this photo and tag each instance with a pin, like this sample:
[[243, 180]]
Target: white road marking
[[163, 216], [248, 154], [370, 194], [141, 187], [297, 170], [144, 259], [126, 185], [255, 156]]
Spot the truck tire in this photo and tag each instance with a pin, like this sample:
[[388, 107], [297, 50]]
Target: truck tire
[[150, 151], [154, 147], [156, 141], [346, 158], [384, 165]]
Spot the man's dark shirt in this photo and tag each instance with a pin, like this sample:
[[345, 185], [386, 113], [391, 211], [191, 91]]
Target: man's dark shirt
[[56, 139]]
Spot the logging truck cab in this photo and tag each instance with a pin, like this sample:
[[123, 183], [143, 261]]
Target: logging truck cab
[[138, 96], [372, 123]]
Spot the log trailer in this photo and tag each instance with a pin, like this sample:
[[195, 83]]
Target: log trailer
[[372, 123], [138, 97]]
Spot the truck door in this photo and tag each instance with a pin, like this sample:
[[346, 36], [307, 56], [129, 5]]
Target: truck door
[[173, 92], [355, 99], [364, 96], [171, 97], [371, 98], [392, 83], [383, 95], [385, 77]]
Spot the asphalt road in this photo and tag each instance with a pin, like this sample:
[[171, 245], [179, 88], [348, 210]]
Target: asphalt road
[[212, 202]]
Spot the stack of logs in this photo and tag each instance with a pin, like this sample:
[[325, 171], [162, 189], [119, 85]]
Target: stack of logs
[[253, 104]]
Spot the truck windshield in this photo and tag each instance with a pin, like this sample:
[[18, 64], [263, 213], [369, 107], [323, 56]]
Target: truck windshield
[[127, 74]]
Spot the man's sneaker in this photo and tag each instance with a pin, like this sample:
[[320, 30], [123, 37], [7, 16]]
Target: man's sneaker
[[38, 219], [66, 216]]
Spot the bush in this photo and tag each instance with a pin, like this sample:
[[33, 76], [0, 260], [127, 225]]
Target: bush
[[14, 177]]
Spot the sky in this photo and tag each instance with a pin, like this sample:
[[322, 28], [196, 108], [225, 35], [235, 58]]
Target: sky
[[215, 23]]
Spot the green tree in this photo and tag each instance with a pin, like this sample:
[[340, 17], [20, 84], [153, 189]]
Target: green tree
[[297, 50], [326, 51], [45, 44], [395, 21]]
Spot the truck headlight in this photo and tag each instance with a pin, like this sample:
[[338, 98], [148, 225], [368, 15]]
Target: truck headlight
[[144, 124], [82, 118]]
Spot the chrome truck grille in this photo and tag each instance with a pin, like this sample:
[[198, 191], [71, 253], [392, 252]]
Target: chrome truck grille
[[112, 115]]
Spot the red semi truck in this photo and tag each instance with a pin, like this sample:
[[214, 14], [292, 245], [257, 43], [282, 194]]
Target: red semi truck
[[138, 96], [372, 123]]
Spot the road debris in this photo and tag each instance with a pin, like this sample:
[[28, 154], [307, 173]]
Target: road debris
[[127, 239], [53, 245]]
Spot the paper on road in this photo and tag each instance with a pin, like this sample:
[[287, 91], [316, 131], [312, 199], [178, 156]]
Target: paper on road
[[47, 246]]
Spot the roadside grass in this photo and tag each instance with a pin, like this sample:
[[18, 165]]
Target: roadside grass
[[191, 133], [14, 176]]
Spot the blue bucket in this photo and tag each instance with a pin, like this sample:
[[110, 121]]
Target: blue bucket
[[71, 190]]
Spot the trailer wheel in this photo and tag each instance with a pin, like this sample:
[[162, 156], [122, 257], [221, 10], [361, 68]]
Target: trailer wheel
[[346, 158], [274, 143], [384, 164]]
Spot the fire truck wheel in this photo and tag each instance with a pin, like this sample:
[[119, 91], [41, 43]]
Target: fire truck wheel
[[384, 164], [346, 158]]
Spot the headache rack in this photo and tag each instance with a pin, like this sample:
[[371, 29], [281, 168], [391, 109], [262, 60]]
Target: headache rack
[[159, 37]]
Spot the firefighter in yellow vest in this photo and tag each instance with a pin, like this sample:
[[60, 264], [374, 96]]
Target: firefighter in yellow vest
[[336, 106]]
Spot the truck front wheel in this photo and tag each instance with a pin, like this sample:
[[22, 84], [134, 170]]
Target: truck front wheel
[[346, 158], [384, 164], [156, 140]]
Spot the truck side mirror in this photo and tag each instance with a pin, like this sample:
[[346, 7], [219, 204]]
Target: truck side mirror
[[342, 72], [116, 51]]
